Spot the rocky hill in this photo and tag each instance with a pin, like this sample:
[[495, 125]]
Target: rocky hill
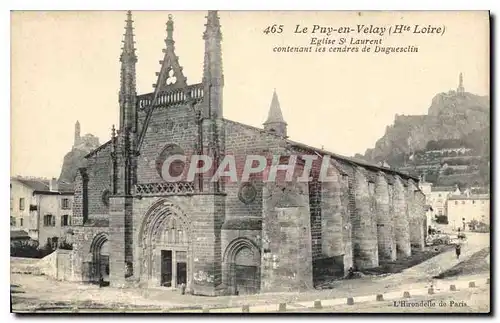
[[452, 115], [72, 161], [76, 157]]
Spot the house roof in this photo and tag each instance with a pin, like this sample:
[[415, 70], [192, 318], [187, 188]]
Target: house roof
[[18, 234], [41, 185], [471, 197], [481, 190], [443, 189]]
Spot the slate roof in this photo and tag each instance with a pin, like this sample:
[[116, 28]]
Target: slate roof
[[480, 191], [43, 185], [471, 197], [18, 234], [443, 188]]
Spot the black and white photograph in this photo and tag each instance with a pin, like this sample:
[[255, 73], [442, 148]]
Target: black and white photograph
[[250, 162]]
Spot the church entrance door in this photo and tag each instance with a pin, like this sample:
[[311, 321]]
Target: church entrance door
[[166, 251], [246, 272], [173, 268], [166, 268]]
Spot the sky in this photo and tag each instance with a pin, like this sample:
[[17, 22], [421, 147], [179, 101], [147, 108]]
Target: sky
[[65, 67]]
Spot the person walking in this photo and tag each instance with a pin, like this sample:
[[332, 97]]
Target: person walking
[[457, 250]]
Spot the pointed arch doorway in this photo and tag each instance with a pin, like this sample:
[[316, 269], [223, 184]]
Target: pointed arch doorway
[[242, 260], [99, 250], [165, 244]]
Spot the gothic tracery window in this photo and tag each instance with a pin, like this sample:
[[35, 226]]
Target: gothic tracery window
[[171, 79], [176, 167]]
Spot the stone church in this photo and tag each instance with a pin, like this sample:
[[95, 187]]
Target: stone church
[[132, 228]]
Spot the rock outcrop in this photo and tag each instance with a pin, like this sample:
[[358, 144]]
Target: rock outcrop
[[75, 159], [451, 115]]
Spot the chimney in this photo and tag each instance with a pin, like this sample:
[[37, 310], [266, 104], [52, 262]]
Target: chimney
[[53, 186]]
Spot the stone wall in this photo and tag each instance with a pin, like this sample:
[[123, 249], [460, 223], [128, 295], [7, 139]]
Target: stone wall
[[168, 125], [385, 224], [287, 258], [401, 219], [364, 221], [417, 216], [332, 216], [242, 141], [82, 254], [120, 209], [99, 179]]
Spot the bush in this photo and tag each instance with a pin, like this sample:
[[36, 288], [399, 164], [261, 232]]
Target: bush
[[28, 249], [441, 219], [64, 245], [448, 171]]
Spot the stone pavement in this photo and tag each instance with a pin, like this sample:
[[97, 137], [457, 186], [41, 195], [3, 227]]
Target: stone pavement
[[415, 278], [446, 260], [440, 287]]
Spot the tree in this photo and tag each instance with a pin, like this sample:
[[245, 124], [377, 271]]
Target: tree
[[448, 171]]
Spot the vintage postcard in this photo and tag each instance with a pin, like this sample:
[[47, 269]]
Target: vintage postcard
[[250, 162]]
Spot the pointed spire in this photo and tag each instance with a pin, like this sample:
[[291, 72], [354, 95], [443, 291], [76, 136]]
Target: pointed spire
[[212, 27], [128, 50], [275, 115], [213, 77], [170, 29], [128, 93], [275, 122]]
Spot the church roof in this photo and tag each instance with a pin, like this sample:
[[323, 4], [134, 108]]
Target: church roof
[[351, 160], [275, 115], [323, 152]]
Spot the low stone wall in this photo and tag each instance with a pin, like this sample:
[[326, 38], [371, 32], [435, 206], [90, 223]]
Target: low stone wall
[[58, 265]]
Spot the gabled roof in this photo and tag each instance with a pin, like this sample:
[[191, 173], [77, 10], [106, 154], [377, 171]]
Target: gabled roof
[[443, 189], [41, 185], [19, 234], [471, 197], [482, 190]]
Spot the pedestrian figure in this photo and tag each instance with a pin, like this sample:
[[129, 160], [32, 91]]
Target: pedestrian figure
[[457, 250], [350, 273]]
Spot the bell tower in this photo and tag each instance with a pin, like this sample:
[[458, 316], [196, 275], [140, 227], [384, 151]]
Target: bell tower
[[275, 122]]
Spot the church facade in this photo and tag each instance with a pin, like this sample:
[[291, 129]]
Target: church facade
[[132, 227]]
